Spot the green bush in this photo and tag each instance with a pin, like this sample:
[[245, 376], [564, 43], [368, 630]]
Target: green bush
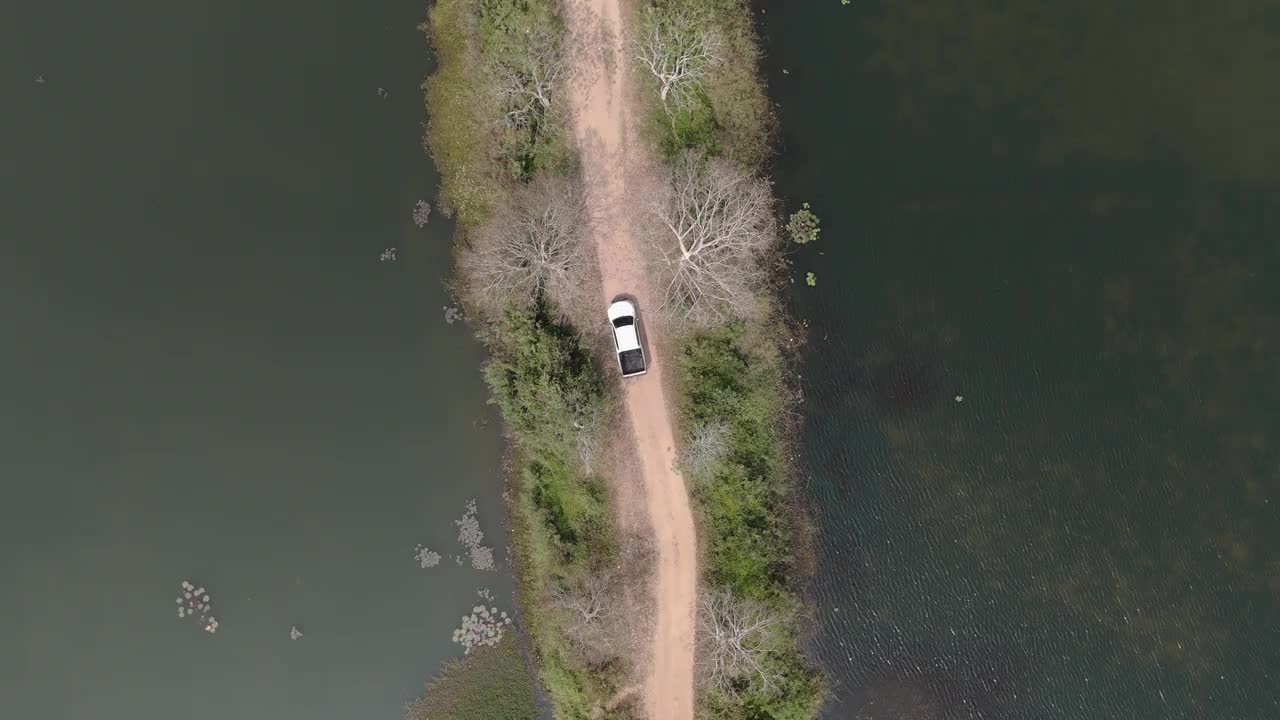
[[492, 683], [799, 696]]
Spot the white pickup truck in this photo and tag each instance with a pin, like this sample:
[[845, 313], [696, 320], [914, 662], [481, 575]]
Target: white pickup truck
[[626, 338]]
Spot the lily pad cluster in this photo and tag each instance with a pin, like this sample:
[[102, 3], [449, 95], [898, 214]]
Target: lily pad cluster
[[482, 628], [195, 602], [802, 227]]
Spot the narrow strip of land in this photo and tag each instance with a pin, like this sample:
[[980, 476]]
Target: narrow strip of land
[[611, 165]]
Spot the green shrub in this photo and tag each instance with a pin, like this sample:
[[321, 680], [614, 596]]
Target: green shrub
[[543, 377], [492, 683], [547, 384]]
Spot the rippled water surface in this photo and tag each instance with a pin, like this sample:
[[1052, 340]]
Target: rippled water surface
[[209, 374], [1043, 393]]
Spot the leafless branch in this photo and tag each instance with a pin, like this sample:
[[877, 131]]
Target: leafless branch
[[677, 51], [590, 608], [588, 432], [527, 90], [715, 227], [736, 636], [705, 449]]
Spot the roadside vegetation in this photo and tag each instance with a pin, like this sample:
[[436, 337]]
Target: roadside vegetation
[[717, 252], [524, 274]]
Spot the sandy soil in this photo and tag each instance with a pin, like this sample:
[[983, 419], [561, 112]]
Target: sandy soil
[[617, 174]]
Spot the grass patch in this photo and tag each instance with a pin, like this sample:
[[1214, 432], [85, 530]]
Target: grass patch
[[492, 683]]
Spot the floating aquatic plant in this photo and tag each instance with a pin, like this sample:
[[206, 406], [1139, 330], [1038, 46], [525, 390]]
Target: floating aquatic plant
[[195, 602], [421, 212], [484, 627], [802, 227], [425, 557], [471, 537]]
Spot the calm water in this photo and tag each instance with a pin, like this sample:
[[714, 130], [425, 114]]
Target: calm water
[[1043, 386], [208, 373]]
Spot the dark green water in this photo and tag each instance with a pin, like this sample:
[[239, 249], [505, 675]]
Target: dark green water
[[208, 374], [1065, 214]]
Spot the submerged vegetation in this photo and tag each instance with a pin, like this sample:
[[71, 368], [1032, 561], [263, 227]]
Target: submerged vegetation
[[490, 683], [708, 103]]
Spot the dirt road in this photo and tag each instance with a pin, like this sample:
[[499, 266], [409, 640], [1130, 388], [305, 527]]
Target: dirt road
[[616, 175]]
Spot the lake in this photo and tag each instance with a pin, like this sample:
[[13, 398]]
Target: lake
[[211, 376], [1042, 397]]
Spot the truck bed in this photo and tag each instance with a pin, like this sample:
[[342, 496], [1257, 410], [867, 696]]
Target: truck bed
[[632, 362]]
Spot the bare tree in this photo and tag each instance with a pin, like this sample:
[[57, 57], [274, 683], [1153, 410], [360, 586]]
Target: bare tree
[[677, 49], [588, 430], [533, 245], [589, 608], [704, 450], [716, 225], [736, 636], [527, 89]]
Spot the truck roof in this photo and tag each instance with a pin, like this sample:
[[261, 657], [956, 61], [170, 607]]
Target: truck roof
[[627, 338]]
